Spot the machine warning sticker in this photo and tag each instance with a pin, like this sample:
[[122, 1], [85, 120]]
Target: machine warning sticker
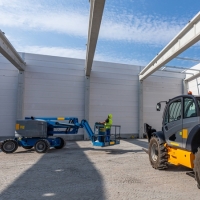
[[17, 127], [22, 127]]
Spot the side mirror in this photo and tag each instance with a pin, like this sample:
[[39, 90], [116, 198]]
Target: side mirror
[[158, 106]]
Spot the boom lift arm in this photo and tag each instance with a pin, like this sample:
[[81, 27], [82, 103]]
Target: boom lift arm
[[40, 132]]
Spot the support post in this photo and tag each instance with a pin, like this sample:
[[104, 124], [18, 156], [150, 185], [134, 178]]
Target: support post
[[20, 96], [185, 87], [141, 123], [87, 103], [20, 92]]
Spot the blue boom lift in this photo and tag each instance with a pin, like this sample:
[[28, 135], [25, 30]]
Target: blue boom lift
[[40, 132]]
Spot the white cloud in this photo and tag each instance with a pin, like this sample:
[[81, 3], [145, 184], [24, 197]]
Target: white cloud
[[39, 19], [109, 58], [142, 29], [76, 53], [53, 51], [31, 15]]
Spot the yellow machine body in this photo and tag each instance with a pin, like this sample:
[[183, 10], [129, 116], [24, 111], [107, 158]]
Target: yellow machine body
[[179, 156]]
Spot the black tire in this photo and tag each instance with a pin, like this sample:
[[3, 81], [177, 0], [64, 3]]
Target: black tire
[[9, 146], [27, 147], [157, 154], [197, 167], [42, 146], [62, 143]]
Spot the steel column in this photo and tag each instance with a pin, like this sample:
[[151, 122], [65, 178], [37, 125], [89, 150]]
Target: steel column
[[185, 87], [20, 96], [141, 123], [87, 103]]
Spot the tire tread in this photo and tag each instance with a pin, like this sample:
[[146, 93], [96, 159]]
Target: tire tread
[[197, 167], [14, 141], [161, 162]]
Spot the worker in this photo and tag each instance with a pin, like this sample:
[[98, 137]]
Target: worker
[[107, 125]]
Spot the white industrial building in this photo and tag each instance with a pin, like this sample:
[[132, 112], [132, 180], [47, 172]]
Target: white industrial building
[[55, 86], [39, 85]]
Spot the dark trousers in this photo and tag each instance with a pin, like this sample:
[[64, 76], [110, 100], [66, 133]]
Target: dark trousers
[[107, 135]]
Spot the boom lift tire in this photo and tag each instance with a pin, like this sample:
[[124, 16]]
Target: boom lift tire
[[9, 146], [197, 167], [157, 154], [62, 143], [27, 147], [42, 146]]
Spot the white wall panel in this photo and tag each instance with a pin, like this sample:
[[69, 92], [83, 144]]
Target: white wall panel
[[56, 70], [156, 89], [8, 91], [54, 87], [54, 59], [193, 86], [51, 76], [114, 89], [51, 64]]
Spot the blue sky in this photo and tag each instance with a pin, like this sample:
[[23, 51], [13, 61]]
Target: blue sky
[[132, 31]]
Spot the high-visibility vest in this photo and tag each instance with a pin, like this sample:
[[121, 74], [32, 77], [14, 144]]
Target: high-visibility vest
[[108, 124]]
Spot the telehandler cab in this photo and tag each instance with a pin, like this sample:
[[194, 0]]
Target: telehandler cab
[[178, 142]]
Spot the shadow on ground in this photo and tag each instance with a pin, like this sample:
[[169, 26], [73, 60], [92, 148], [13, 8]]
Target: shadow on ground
[[59, 174], [139, 142], [174, 168]]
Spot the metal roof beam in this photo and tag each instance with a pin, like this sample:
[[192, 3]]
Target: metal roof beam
[[96, 12], [7, 50], [188, 59], [189, 35], [184, 68], [176, 72], [193, 77]]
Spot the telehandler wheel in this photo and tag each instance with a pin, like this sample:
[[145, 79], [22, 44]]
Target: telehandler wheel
[[27, 147], [62, 143], [157, 154], [197, 167], [9, 146], [42, 146]]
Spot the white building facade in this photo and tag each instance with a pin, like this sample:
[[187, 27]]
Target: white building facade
[[55, 87]]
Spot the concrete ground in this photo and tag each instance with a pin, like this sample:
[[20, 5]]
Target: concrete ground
[[81, 171]]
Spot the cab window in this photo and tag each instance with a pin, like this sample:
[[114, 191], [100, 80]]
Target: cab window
[[189, 108], [174, 112]]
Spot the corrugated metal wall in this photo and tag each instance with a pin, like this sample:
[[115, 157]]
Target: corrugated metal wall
[[161, 86], [114, 89], [194, 86], [54, 86], [8, 96]]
